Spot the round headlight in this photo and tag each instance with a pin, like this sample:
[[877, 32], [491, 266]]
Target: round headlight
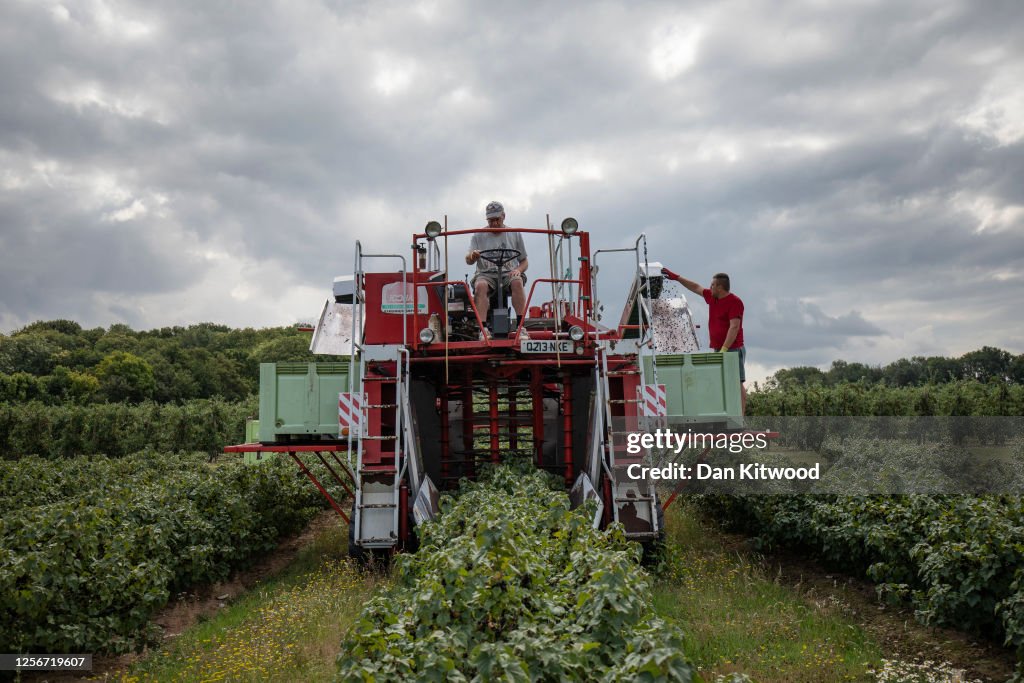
[[426, 335], [579, 349], [576, 333], [433, 229], [570, 226]]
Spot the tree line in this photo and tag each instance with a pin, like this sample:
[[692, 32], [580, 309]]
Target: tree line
[[984, 365], [58, 362]]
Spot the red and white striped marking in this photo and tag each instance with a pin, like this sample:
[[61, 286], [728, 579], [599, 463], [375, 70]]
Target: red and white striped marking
[[653, 400], [350, 412]]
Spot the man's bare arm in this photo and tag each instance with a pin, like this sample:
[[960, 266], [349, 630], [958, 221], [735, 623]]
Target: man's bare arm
[[730, 336], [521, 268]]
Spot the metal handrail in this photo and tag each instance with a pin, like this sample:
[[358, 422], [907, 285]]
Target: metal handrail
[[359, 305], [645, 318]]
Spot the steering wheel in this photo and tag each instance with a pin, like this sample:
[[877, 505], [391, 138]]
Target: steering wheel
[[499, 257]]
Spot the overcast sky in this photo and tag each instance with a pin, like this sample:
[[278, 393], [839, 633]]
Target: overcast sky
[[857, 167]]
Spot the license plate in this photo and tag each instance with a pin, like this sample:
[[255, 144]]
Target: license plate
[[545, 346]]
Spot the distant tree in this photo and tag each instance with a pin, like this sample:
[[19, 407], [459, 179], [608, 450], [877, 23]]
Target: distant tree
[[69, 327], [903, 373], [203, 335], [799, 376], [1017, 369], [68, 386], [174, 381], [841, 371], [29, 353], [19, 387], [216, 375], [293, 347], [125, 377], [117, 339], [940, 370], [986, 363]]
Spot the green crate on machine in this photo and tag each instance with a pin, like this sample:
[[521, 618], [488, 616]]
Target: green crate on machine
[[252, 435], [299, 401], [702, 387]]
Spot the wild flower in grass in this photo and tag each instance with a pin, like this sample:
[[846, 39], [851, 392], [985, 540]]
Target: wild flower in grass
[[732, 678], [895, 671], [267, 644]]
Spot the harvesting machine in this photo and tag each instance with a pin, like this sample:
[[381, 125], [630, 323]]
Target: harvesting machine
[[420, 397]]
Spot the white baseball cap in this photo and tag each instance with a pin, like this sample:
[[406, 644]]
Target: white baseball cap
[[495, 209]]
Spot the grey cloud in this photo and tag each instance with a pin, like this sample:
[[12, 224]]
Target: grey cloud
[[851, 173], [792, 324]]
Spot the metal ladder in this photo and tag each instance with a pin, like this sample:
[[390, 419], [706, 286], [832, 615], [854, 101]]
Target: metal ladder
[[375, 494], [640, 493]]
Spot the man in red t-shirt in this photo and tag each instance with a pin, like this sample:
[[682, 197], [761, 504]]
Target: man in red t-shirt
[[725, 319]]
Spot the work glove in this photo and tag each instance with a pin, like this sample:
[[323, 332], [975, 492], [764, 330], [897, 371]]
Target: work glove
[[669, 274]]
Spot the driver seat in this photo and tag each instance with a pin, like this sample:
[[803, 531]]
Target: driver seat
[[494, 304]]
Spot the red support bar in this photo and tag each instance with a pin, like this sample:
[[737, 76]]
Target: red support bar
[[476, 358], [493, 396], [335, 474], [537, 390], [468, 445], [285, 448], [567, 426], [513, 435], [316, 482], [445, 446], [345, 467]]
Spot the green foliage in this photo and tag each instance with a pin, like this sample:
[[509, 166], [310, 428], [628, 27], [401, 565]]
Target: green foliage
[[87, 558], [125, 377], [282, 349], [984, 365], [510, 584], [20, 386], [964, 397], [117, 429], [69, 386], [31, 353], [199, 361]]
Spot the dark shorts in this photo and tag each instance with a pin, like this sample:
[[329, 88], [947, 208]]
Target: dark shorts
[[743, 357]]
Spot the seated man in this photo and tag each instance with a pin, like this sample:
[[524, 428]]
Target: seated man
[[486, 279]]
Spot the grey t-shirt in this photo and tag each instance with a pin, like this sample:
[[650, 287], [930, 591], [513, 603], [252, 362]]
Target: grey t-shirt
[[497, 240]]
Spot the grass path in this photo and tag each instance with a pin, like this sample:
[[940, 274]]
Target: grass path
[[740, 617], [737, 619], [288, 629]]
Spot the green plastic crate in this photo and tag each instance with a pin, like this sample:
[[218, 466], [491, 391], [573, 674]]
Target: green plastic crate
[[704, 387], [252, 435], [300, 400]]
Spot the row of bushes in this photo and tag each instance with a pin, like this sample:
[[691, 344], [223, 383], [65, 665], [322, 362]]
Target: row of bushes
[[86, 571], [960, 398], [509, 584], [117, 429]]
